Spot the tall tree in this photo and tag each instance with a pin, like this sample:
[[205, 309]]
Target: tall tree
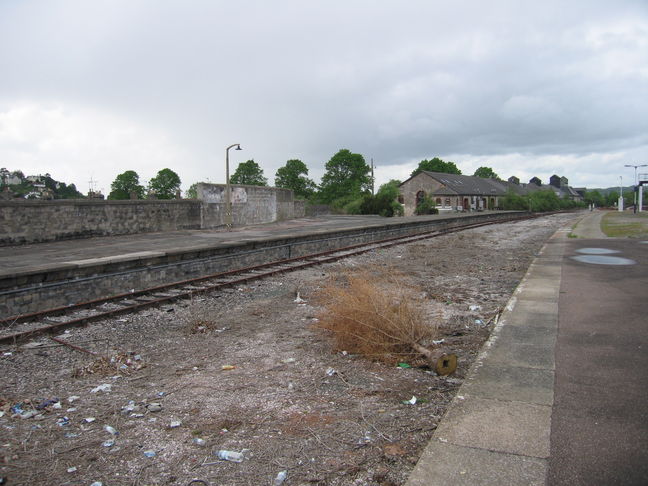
[[249, 173], [192, 192], [436, 165], [347, 176], [124, 184], [293, 176], [486, 173], [165, 184]]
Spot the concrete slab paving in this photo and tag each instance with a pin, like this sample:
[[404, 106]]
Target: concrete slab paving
[[529, 315], [543, 335], [518, 383], [497, 425], [449, 464], [512, 353]]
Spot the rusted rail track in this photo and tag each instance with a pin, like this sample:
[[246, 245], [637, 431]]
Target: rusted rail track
[[58, 319]]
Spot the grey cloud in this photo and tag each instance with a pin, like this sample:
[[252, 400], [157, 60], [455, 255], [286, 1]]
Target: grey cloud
[[398, 81]]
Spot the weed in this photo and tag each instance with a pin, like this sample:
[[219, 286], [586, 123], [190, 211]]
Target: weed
[[375, 315], [200, 319]]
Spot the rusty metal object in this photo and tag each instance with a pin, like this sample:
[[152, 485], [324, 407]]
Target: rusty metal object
[[73, 346], [444, 364]]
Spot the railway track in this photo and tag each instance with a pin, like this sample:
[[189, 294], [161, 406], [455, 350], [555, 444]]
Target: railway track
[[58, 319]]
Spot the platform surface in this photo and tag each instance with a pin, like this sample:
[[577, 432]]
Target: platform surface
[[39, 257]]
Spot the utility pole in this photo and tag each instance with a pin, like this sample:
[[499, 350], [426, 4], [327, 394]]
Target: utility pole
[[372, 177]]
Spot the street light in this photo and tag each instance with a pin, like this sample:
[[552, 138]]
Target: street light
[[636, 182], [228, 199]]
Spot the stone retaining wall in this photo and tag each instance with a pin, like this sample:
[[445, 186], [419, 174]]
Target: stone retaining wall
[[34, 221], [28, 221]]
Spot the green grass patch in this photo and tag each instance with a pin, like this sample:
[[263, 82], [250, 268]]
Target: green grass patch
[[625, 225]]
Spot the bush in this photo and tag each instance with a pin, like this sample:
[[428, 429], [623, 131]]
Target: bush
[[382, 204], [426, 206], [339, 205], [354, 207], [538, 201], [514, 202], [375, 315]]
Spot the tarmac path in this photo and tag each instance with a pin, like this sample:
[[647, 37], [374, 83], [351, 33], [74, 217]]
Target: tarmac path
[[590, 225], [599, 430]]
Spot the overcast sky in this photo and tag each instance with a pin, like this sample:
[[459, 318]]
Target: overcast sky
[[90, 89]]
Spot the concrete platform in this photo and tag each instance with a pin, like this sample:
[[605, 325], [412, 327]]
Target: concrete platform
[[58, 274], [25, 259], [559, 394]]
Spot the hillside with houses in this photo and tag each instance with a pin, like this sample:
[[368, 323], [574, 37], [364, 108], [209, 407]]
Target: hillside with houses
[[16, 185]]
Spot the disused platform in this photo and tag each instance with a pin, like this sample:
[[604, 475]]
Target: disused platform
[[39, 276]]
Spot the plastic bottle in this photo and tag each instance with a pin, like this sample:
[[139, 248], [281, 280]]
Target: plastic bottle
[[231, 456], [281, 477]]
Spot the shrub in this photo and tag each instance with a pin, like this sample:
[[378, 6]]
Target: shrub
[[353, 207], [376, 316], [426, 206]]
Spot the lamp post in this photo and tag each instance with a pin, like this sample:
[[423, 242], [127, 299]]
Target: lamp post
[[636, 182], [228, 193]]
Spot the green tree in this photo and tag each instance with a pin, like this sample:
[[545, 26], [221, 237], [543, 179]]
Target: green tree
[[541, 201], [436, 165], [385, 202], [293, 176], [124, 184], [611, 198], [63, 191], [594, 197], [60, 190], [249, 173], [192, 192], [165, 184], [347, 177], [486, 173]]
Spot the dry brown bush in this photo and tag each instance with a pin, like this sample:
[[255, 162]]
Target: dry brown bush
[[377, 315]]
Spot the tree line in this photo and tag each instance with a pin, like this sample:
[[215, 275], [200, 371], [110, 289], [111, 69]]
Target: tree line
[[346, 186]]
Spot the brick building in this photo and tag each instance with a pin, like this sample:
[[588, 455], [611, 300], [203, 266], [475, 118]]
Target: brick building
[[452, 192]]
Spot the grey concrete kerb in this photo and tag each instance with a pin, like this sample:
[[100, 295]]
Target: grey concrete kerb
[[497, 429]]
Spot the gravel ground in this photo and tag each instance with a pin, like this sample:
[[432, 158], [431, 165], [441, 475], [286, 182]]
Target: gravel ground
[[249, 371]]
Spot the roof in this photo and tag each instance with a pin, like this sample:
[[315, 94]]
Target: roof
[[463, 185], [469, 185]]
